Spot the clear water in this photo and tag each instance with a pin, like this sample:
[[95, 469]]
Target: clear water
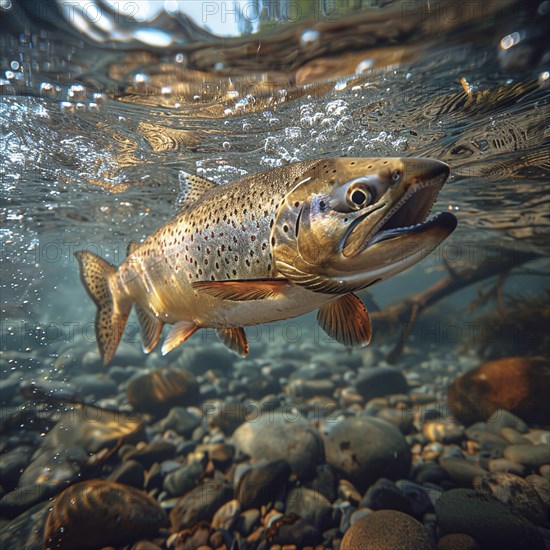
[[95, 133], [101, 110]]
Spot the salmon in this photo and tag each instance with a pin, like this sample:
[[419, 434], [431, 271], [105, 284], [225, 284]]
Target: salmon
[[272, 246]]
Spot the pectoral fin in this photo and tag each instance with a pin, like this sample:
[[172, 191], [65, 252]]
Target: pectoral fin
[[234, 339], [150, 329], [318, 283], [346, 320], [179, 333], [246, 289]]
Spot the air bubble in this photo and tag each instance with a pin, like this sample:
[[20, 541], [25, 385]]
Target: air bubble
[[309, 37], [364, 65]]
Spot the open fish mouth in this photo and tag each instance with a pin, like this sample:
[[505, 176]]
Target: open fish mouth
[[408, 216]]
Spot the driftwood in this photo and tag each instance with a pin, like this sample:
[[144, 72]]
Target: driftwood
[[405, 313]]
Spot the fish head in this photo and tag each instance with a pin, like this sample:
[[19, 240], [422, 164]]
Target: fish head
[[349, 223]]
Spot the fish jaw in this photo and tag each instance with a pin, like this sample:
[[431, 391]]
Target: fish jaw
[[339, 250], [405, 211], [403, 236]]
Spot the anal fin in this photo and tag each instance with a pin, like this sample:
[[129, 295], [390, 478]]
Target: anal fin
[[234, 339], [346, 320], [180, 332], [243, 290], [150, 329]]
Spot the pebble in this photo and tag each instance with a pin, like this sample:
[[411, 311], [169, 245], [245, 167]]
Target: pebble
[[153, 478], [457, 541], [538, 437], [262, 484], [429, 472], [485, 519], [417, 496], [292, 530], [305, 389], [200, 504], [443, 431], [214, 356], [326, 482], [182, 480], [145, 545], [364, 449], [497, 465], [380, 382], [542, 486], [27, 530], [461, 471], [249, 520], [531, 456], [503, 419], [227, 515], [92, 514], [282, 436], [513, 437], [387, 530], [151, 453], [311, 506], [12, 464], [403, 422], [180, 420], [513, 491], [130, 473], [348, 491], [384, 495], [158, 391]]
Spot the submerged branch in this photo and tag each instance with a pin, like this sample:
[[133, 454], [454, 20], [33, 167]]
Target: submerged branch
[[405, 313]]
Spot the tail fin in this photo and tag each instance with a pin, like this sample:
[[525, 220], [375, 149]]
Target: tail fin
[[112, 310]]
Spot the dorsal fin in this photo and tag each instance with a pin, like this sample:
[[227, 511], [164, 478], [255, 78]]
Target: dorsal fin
[[192, 187]]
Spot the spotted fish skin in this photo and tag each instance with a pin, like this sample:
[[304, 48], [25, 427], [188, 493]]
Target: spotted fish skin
[[223, 235], [259, 250]]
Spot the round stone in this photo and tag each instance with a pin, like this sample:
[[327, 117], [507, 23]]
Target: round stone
[[516, 384], [387, 530], [531, 456], [485, 519], [461, 470], [97, 513], [518, 495], [200, 504], [380, 381], [262, 484], [281, 436], [311, 506], [504, 419], [158, 391], [364, 449]]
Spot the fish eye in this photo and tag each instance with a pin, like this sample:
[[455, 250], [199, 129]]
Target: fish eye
[[359, 197], [396, 176]]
